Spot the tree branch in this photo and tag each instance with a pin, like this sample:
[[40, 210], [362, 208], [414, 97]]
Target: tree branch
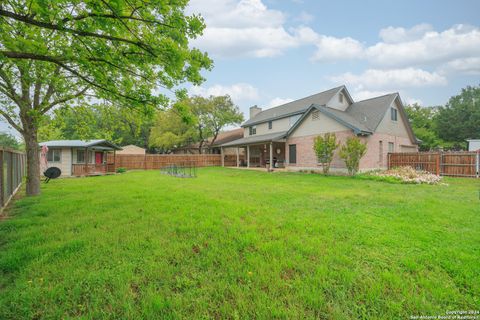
[[11, 122], [51, 26], [63, 100]]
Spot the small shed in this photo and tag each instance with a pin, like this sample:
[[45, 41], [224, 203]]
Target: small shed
[[132, 149], [473, 144], [78, 157]]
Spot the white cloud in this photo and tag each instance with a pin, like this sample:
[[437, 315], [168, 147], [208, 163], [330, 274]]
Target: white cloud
[[358, 95], [275, 102], [334, 49], [397, 35], [431, 48], [391, 79], [467, 66], [239, 92]]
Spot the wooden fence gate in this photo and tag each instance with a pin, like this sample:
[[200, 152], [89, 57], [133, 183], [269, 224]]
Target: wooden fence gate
[[454, 164]]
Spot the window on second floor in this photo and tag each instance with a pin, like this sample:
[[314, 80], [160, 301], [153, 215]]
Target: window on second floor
[[394, 114], [54, 155], [270, 125], [252, 130]]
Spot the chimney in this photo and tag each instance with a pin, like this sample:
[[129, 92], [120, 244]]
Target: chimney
[[254, 111]]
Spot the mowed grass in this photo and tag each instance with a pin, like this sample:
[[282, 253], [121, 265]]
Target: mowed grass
[[240, 244]]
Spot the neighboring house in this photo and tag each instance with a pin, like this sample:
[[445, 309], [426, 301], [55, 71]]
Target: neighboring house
[[78, 157], [222, 137], [286, 133], [473, 144], [132, 149]]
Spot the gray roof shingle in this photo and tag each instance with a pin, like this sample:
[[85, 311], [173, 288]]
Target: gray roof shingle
[[79, 143], [371, 111], [256, 139], [294, 107]]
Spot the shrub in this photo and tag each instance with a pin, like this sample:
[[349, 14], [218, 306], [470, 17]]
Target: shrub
[[121, 170], [351, 152], [324, 147]]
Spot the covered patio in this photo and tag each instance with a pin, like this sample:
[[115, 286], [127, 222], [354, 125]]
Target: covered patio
[[264, 151]]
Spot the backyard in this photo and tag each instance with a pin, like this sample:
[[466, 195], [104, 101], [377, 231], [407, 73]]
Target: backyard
[[240, 244]]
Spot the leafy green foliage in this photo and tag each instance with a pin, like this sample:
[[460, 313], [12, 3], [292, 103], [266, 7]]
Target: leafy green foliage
[[460, 118], [9, 141], [351, 152], [423, 124], [121, 125], [59, 52], [148, 246], [170, 130], [324, 147], [121, 170], [203, 119]]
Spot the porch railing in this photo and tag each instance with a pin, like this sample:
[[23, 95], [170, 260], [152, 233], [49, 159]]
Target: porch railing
[[91, 169]]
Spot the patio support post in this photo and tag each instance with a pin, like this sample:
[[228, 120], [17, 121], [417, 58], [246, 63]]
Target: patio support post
[[271, 156], [238, 157], [248, 156], [223, 157], [86, 161]]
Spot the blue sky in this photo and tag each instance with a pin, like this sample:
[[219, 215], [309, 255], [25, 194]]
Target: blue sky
[[271, 51], [267, 52]]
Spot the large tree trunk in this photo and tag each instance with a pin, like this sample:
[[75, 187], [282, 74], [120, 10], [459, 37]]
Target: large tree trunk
[[33, 162]]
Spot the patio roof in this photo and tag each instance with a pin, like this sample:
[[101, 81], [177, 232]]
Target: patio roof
[[100, 144], [256, 139]]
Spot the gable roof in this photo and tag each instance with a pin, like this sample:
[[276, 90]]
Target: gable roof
[[370, 112], [79, 144], [337, 115], [227, 136], [294, 107]]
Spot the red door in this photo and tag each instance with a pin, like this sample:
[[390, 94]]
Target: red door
[[98, 157]]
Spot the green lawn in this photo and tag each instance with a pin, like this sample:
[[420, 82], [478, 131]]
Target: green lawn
[[240, 244]]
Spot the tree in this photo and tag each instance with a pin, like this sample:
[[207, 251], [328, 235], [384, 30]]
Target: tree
[[61, 52], [171, 131], [324, 147], [423, 120], [351, 152], [9, 141], [121, 125], [459, 119], [211, 115]]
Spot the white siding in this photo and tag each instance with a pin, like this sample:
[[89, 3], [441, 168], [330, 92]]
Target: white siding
[[65, 163], [322, 124], [395, 128], [336, 104]]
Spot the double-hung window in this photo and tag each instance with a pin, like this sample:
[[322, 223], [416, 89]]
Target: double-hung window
[[54, 155]]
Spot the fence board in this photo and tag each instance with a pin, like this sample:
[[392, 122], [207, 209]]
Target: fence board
[[12, 171], [158, 161], [455, 164]]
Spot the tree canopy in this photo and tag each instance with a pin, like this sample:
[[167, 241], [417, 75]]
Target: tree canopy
[[58, 52]]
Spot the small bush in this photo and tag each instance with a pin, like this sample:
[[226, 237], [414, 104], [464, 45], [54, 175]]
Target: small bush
[[324, 147], [351, 152], [121, 170]]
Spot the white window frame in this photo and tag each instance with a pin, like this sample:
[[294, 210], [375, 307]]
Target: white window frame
[[52, 153], [253, 130], [76, 156]]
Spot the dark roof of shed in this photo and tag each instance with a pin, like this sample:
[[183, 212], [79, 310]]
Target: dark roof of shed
[[79, 144]]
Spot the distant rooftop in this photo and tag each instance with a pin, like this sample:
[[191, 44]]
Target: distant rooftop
[[80, 144]]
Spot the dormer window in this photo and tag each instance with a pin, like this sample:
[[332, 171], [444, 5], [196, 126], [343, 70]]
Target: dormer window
[[340, 97], [270, 125], [393, 114], [252, 130]]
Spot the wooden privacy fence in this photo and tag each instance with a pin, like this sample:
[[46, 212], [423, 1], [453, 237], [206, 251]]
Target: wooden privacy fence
[[159, 161], [455, 164], [13, 164]]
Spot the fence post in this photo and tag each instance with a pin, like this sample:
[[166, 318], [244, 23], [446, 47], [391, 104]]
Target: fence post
[[438, 163], [2, 185], [478, 164]]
